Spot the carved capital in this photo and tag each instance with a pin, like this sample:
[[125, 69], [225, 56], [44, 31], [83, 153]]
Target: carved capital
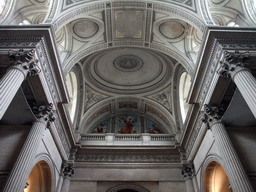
[[44, 112], [188, 170], [211, 114], [233, 62], [67, 169], [26, 59]]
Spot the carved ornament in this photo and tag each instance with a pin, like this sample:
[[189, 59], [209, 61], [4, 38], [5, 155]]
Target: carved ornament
[[67, 169], [44, 112], [26, 59], [188, 170], [232, 62], [211, 114]]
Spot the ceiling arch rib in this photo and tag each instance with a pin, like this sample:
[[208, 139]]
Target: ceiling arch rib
[[89, 8]]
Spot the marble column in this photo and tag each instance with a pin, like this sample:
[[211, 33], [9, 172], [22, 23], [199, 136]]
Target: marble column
[[67, 171], [22, 167], [22, 64], [234, 66], [236, 174], [188, 173]]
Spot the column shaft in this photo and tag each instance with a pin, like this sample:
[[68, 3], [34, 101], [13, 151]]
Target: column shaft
[[9, 85], [21, 170], [66, 184], [237, 176], [189, 185], [246, 83]]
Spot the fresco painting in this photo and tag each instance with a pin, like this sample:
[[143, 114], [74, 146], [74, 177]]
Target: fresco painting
[[152, 128], [128, 124], [98, 113], [103, 127]]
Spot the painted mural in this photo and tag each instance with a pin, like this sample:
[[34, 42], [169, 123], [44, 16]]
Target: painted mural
[[157, 113], [103, 127], [128, 124], [98, 113], [152, 128]]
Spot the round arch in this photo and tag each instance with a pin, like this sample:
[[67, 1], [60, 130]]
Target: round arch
[[45, 161], [40, 178], [213, 169], [123, 187]]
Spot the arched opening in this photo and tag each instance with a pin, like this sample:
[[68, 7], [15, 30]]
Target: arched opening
[[40, 179], [71, 81], [215, 179], [184, 86], [127, 190]]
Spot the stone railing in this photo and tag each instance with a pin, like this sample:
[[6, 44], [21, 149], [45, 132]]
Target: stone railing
[[127, 139]]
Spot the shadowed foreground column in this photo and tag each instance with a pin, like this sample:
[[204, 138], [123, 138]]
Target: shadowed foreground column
[[22, 167], [236, 174]]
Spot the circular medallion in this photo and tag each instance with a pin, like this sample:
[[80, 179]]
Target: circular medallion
[[85, 28], [128, 63], [172, 29]]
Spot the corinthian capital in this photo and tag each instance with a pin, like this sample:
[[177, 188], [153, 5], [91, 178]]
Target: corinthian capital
[[211, 114], [67, 169], [233, 62], [26, 59], [44, 112], [188, 170]]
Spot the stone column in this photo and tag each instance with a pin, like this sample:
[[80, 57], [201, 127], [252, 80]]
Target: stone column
[[67, 171], [233, 66], [22, 64], [237, 176], [22, 167], [188, 173]]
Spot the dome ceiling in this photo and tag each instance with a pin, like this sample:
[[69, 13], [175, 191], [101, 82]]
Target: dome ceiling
[[128, 71]]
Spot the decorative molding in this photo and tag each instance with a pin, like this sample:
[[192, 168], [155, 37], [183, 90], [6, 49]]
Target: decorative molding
[[87, 9], [147, 158], [92, 97], [44, 112], [164, 98]]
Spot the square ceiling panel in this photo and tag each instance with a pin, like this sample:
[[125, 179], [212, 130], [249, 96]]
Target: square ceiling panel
[[128, 23]]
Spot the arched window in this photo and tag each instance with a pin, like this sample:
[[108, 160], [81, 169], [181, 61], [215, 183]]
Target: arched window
[[71, 81], [40, 178], [215, 179], [184, 86]]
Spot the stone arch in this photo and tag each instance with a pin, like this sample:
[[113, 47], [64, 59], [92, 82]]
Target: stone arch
[[42, 175], [128, 187], [208, 164]]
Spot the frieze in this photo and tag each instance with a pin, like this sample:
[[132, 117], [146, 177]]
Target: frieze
[[128, 158]]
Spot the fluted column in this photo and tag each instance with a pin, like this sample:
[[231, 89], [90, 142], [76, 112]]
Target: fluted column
[[237, 176], [22, 64], [234, 66], [67, 171], [22, 167], [188, 173]]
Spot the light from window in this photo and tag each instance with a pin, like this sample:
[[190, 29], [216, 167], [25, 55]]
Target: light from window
[[184, 86]]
